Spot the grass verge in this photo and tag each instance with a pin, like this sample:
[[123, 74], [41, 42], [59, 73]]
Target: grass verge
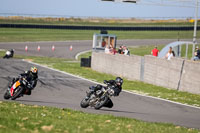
[[34, 119], [26, 34]]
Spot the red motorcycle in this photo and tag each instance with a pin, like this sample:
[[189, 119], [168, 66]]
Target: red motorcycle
[[17, 89]]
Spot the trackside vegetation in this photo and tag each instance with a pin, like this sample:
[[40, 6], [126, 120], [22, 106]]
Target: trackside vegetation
[[20, 118], [33, 35]]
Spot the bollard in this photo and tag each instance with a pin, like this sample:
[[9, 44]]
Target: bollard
[[70, 48], [53, 48], [26, 48], [38, 48]]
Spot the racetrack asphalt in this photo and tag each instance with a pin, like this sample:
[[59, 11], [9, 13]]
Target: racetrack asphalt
[[62, 90]]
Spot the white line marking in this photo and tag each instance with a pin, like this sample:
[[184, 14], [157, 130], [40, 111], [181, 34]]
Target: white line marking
[[2, 50], [59, 78], [103, 84], [77, 55]]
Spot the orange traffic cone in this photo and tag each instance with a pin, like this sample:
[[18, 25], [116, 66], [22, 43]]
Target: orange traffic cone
[[70, 48], [53, 48], [26, 48], [38, 48]]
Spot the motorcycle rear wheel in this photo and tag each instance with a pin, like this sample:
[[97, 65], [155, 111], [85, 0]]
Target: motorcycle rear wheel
[[100, 103]]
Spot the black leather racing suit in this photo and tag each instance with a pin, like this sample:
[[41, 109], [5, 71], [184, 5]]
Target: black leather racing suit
[[117, 89]]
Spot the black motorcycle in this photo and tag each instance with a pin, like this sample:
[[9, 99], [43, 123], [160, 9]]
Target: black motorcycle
[[17, 89], [98, 99]]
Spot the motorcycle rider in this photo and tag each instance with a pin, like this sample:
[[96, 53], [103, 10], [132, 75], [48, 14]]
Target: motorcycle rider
[[31, 76], [9, 54], [116, 86]]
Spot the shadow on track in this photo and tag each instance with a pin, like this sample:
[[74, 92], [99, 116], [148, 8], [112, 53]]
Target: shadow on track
[[38, 101], [112, 110]]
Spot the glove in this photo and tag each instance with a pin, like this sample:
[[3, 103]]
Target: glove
[[105, 81], [29, 86]]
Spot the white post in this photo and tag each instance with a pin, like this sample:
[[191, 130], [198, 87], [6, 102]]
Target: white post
[[195, 29], [94, 42], [186, 51]]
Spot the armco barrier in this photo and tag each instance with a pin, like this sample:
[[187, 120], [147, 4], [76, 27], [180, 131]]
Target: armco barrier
[[176, 73]]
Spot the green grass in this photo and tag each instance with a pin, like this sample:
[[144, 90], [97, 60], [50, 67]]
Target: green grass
[[144, 50], [20, 118], [23, 35], [85, 55]]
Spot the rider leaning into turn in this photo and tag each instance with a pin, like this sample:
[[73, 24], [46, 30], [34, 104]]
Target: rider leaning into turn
[[116, 86], [31, 76]]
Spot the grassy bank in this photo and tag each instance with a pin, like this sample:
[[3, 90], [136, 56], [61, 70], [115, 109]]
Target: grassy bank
[[20, 118], [22, 35]]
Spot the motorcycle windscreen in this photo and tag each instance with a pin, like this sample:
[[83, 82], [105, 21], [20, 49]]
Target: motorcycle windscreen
[[15, 85]]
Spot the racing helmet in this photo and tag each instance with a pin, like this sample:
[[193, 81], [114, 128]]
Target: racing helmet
[[98, 87], [34, 70], [119, 81]]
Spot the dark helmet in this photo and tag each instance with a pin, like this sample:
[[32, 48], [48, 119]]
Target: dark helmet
[[119, 81], [98, 87]]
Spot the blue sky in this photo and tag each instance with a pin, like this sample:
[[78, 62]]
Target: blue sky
[[94, 8]]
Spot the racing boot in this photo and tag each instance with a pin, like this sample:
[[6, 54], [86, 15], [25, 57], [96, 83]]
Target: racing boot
[[88, 94], [27, 92]]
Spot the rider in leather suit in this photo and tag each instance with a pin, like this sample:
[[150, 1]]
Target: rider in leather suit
[[31, 76], [116, 85]]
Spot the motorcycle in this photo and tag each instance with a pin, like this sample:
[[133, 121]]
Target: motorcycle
[[98, 99], [17, 89]]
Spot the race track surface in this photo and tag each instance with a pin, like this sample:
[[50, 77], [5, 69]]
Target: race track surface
[[64, 91]]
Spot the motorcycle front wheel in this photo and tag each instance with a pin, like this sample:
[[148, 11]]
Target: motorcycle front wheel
[[17, 92], [7, 94], [84, 103]]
